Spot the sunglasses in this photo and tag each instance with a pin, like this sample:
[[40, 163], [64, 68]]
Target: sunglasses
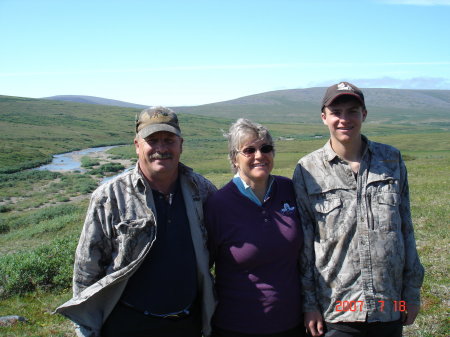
[[248, 151]]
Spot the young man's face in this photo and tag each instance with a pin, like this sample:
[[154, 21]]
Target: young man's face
[[344, 119]]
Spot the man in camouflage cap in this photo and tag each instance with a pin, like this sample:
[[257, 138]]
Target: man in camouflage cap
[[142, 266], [361, 273]]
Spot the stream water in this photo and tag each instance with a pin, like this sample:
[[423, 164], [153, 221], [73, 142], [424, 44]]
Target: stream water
[[71, 161]]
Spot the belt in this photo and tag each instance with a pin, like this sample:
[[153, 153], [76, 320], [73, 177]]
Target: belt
[[171, 315]]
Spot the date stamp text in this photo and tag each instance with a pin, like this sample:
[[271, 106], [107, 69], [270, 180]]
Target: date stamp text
[[358, 306]]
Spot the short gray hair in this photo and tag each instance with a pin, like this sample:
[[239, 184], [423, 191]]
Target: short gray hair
[[240, 130]]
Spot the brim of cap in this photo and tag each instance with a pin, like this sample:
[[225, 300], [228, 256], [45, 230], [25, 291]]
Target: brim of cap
[[330, 100], [150, 129]]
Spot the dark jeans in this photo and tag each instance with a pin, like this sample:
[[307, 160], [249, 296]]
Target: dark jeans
[[298, 331], [127, 322], [364, 329]]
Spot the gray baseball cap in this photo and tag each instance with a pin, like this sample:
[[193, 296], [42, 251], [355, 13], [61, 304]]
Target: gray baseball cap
[[156, 119]]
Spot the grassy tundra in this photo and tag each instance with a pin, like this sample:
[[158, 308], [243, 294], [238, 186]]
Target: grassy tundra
[[41, 213]]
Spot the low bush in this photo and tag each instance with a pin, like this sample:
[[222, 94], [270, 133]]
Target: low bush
[[88, 162], [37, 216], [107, 168], [407, 157], [47, 267], [30, 176], [4, 209], [4, 228], [76, 184]]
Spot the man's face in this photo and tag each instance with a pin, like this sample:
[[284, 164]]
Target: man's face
[[159, 153], [344, 120]]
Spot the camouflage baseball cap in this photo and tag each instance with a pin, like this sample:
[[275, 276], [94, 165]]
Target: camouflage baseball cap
[[342, 88], [157, 119]]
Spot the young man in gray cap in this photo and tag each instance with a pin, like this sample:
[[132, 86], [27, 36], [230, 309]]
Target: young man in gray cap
[[361, 274], [141, 266]]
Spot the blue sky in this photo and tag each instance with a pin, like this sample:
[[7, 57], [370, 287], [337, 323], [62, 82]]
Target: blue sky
[[191, 52]]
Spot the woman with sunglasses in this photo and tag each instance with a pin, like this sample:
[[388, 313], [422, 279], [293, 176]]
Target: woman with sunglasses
[[254, 239]]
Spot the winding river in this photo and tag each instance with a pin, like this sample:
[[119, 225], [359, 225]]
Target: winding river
[[71, 161]]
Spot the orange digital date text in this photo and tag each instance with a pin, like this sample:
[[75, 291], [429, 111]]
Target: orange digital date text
[[358, 306], [349, 306]]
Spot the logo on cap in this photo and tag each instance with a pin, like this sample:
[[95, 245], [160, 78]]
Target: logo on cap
[[343, 86]]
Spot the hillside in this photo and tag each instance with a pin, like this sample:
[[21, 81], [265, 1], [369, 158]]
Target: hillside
[[303, 106], [41, 212], [94, 100], [31, 130]]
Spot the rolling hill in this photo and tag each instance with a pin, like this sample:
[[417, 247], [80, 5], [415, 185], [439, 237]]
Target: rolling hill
[[31, 130], [94, 100], [303, 106]]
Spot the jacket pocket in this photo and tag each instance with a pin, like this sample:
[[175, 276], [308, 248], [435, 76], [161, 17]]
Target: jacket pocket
[[327, 213], [131, 238], [387, 212], [327, 205]]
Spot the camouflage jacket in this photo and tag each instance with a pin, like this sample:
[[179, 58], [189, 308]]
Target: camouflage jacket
[[359, 259], [118, 233]]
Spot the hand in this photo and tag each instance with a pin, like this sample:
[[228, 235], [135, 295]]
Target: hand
[[314, 323], [409, 316]]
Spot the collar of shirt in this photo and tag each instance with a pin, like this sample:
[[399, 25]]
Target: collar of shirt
[[247, 190], [330, 155]]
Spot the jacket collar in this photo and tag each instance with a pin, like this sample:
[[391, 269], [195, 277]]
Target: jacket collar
[[330, 155]]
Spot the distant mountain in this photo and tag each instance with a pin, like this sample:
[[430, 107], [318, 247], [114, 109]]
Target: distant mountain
[[303, 106], [95, 100]]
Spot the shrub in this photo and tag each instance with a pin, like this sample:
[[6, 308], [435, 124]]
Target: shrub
[[29, 176], [106, 168], [88, 162], [37, 216], [407, 157], [4, 228], [77, 183], [47, 267], [4, 209]]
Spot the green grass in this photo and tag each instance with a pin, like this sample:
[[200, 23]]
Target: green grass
[[33, 129], [39, 219], [33, 189], [429, 188], [46, 267], [87, 162], [37, 307]]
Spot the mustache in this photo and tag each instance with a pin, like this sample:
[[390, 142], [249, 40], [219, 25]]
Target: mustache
[[161, 156]]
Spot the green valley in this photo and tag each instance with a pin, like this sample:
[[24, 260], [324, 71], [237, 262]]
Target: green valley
[[41, 212]]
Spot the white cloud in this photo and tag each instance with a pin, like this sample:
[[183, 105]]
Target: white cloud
[[417, 2]]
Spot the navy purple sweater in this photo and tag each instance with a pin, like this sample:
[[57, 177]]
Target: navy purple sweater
[[255, 250]]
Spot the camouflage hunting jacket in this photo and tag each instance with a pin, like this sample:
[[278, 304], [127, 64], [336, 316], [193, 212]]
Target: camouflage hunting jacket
[[118, 233], [359, 259]]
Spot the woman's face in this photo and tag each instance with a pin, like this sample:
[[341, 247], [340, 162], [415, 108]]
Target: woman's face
[[254, 167]]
